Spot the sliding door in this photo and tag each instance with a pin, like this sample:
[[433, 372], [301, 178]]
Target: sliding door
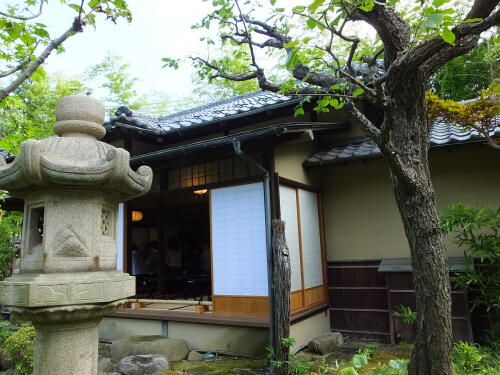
[[301, 213], [239, 261]]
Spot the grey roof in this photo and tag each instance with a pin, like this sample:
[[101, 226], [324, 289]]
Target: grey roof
[[234, 107], [441, 134]]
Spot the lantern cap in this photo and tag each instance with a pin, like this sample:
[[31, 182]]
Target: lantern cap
[[76, 158]]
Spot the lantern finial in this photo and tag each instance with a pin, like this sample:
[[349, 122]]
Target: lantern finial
[[79, 115]]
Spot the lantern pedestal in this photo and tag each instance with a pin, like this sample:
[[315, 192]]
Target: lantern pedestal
[[66, 337]]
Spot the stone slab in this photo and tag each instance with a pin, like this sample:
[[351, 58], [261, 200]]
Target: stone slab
[[174, 349], [61, 289]]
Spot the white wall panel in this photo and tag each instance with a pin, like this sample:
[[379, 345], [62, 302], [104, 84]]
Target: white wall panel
[[288, 208], [311, 242], [239, 240]]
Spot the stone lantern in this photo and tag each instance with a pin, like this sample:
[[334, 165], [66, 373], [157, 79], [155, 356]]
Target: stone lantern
[[71, 185]]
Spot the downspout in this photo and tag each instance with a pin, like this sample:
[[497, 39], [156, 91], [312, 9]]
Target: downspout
[[269, 250]]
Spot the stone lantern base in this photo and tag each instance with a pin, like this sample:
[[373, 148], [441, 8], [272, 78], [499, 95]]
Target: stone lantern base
[[66, 337]]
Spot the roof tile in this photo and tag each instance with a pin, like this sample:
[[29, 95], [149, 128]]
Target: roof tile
[[441, 133]]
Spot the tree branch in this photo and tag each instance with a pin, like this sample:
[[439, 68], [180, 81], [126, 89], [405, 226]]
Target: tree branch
[[433, 53], [13, 70], [371, 130], [392, 29], [24, 18], [31, 68], [273, 43], [220, 74]]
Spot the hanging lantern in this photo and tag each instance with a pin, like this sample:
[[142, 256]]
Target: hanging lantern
[[137, 216], [200, 192]]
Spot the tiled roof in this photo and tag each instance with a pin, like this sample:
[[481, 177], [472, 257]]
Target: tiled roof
[[363, 148], [223, 110]]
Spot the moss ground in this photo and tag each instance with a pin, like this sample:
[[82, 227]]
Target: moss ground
[[225, 366]]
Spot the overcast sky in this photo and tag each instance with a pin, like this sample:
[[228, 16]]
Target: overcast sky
[[160, 28]]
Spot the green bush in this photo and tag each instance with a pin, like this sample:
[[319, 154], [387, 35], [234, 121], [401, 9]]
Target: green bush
[[477, 230], [20, 349], [10, 230]]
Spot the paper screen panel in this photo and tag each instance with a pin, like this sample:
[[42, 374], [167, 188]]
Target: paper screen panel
[[239, 240], [119, 237], [288, 208], [311, 242]]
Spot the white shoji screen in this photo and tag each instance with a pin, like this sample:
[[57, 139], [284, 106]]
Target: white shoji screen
[[288, 207], [239, 240], [119, 237], [311, 243]]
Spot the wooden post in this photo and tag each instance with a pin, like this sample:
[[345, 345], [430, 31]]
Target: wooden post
[[281, 290]]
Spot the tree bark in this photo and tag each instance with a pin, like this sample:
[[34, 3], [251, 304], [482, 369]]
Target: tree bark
[[281, 290], [416, 200]]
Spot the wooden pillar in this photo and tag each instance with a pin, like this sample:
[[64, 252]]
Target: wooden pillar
[[281, 290], [161, 250]]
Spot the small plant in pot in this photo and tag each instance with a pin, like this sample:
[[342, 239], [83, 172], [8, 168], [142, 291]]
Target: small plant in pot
[[405, 323]]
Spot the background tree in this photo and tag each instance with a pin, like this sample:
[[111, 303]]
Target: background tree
[[30, 111], [111, 75], [414, 44], [26, 43], [463, 77]]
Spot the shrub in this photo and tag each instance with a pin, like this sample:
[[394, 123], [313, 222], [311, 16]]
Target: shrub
[[478, 231], [10, 230], [20, 349]]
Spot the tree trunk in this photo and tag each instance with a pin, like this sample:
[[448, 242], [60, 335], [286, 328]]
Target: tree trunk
[[281, 290], [416, 201]]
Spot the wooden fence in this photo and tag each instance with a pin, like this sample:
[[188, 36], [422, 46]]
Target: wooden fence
[[363, 301]]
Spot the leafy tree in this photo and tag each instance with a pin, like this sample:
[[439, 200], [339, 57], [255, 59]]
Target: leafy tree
[[26, 43], [112, 73], [414, 44], [29, 113], [234, 59], [463, 77]]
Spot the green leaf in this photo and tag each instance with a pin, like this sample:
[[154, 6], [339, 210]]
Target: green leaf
[[27, 39], [311, 24], [299, 9], [323, 102], [433, 20], [273, 2], [315, 5], [367, 5], [472, 20], [358, 92], [292, 59], [334, 103], [75, 7], [41, 32], [298, 111], [280, 10], [438, 3], [448, 36], [293, 43]]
